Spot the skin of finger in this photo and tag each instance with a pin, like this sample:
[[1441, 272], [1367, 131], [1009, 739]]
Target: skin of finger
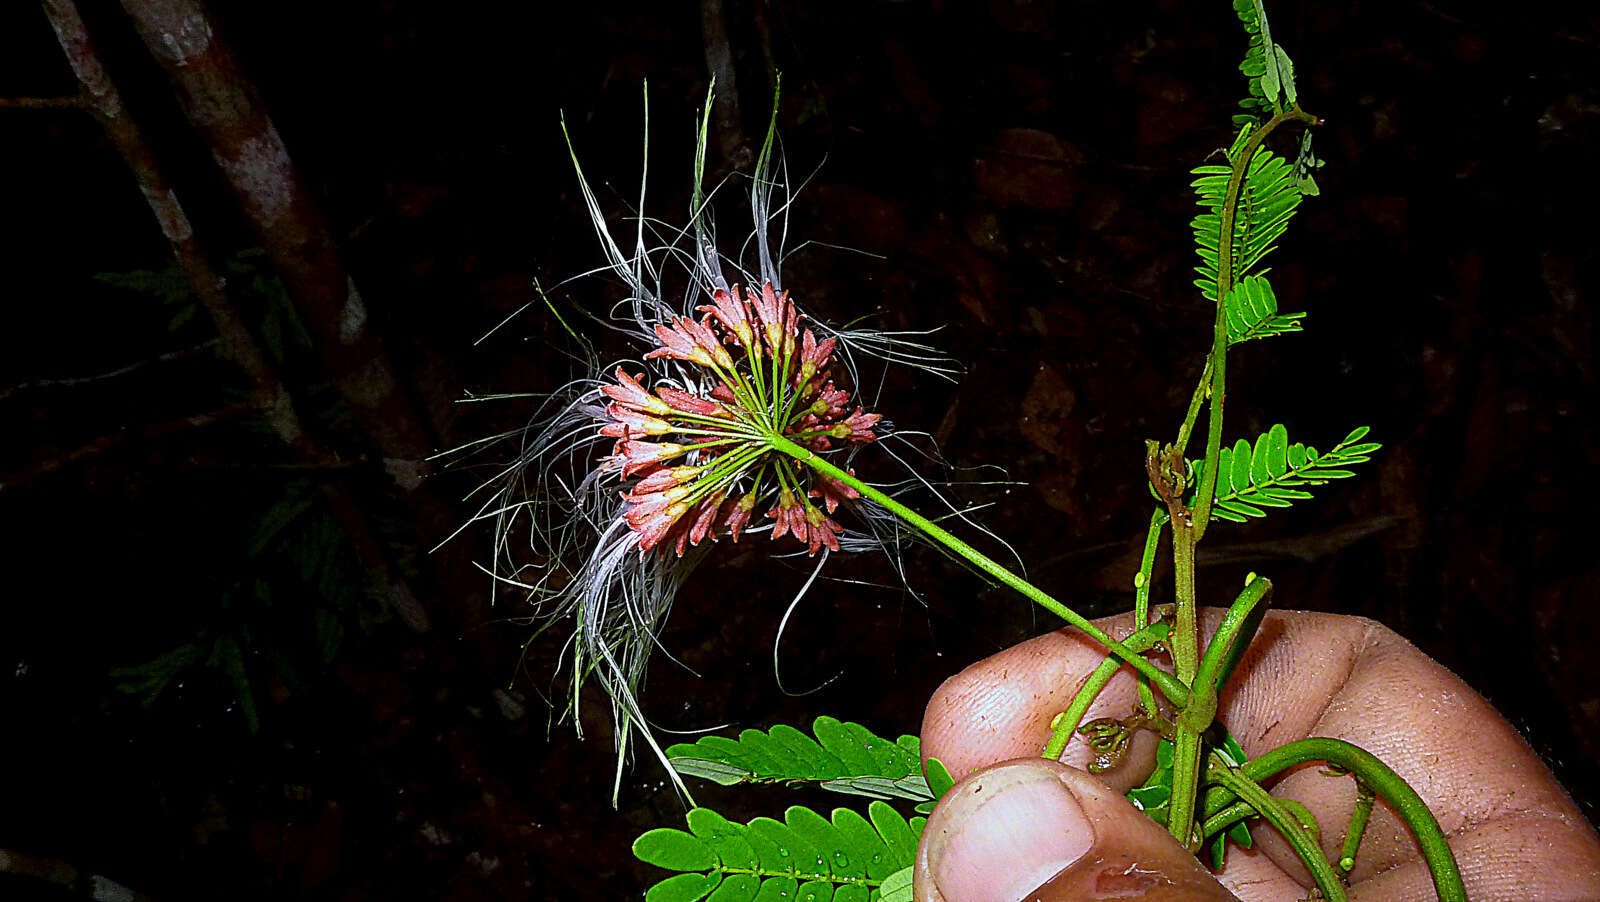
[[1000, 708], [1466, 762], [1128, 856], [1309, 674], [1494, 864]]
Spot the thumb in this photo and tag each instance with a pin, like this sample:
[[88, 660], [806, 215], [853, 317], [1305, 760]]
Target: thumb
[[1031, 830]]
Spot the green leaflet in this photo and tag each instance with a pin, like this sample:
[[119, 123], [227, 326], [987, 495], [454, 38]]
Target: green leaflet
[[1152, 796], [1285, 75], [1270, 77], [939, 782], [1268, 197], [1252, 311], [1268, 473], [682, 888], [803, 857], [674, 850], [1305, 163], [1271, 86], [897, 887], [1240, 831], [845, 757]]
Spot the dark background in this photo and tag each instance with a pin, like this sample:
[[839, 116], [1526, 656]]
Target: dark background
[[1020, 172]]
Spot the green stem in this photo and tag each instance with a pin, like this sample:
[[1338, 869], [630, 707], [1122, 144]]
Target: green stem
[[1066, 723], [1193, 413], [734, 435], [1185, 647], [1304, 844], [1375, 774], [1227, 817], [1219, 335], [735, 383], [1185, 642], [1141, 596], [724, 470], [1357, 828], [1186, 752], [1175, 691], [757, 376], [1227, 646], [1233, 637]]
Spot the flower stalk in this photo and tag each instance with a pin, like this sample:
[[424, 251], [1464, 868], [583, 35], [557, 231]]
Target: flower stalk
[[1175, 691]]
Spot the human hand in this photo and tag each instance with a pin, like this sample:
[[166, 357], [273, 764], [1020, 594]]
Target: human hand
[[1016, 826]]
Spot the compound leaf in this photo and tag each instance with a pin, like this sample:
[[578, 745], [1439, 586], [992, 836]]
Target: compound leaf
[[1252, 311], [1268, 197], [1270, 76], [845, 757], [1271, 472], [804, 856]]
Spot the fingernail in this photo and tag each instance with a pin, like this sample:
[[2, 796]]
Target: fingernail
[[1010, 833]]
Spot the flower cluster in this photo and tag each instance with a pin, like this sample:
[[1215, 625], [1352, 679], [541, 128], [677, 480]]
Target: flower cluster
[[706, 458]]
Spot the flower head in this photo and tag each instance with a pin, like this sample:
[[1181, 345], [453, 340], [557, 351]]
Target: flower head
[[745, 396], [623, 480]]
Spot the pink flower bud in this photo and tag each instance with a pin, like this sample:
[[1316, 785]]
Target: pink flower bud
[[629, 393], [789, 516], [822, 531], [736, 514], [630, 422], [730, 310], [833, 492], [684, 402], [704, 518], [860, 425], [634, 457]]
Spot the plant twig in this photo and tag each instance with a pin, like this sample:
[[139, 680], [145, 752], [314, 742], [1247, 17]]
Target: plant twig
[[1218, 361], [65, 102], [268, 395], [277, 204], [111, 440], [719, 60], [73, 381]]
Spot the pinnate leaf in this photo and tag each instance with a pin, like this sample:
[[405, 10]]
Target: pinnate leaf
[[845, 757], [1272, 472], [1268, 196], [803, 856], [1252, 311]]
